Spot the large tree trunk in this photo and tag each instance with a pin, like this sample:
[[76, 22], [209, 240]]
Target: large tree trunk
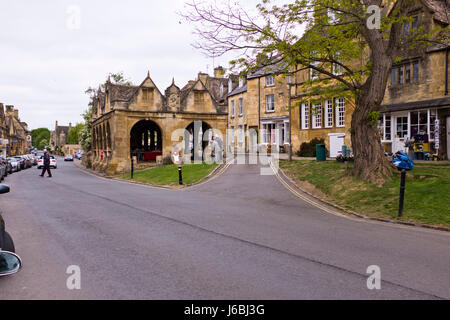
[[370, 162]]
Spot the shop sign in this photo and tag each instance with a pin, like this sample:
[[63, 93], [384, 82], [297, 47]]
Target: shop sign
[[436, 134], [28, 138]]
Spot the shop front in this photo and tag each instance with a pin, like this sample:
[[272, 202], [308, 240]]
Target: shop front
[[415, 132]]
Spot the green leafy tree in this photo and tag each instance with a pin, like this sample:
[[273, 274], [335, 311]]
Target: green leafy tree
[[320, 35], [37, 135], [85, 135], [85, 139], [42, 144], [73, 135]]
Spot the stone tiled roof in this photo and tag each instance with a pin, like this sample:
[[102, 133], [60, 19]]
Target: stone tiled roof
[[213, 86], [440, 10], [271, 68], [238, 90], [121, 93]]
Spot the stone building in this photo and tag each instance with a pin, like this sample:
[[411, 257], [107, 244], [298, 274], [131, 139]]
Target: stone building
[[16, 132], [58, 137], [417, 104], [141, 121], [4, 132]]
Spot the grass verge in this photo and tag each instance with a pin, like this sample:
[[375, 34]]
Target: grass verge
[[427, 194], [167, 175]]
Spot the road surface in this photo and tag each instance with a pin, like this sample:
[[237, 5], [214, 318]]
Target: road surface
[[241, 235]]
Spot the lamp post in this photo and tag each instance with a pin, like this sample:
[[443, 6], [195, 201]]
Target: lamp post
[[289, 81]]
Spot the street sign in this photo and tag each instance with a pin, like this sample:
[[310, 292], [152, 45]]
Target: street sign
[[28, 138]]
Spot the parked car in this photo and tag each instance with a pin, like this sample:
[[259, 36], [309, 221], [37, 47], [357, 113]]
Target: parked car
[[2, 171], [7, 164], [28, 162], [21, 162], [40, 164], [68, 157], [9, 262], [15, 165], [33, 159]]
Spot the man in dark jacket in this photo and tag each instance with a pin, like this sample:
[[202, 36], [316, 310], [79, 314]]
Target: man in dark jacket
[[46, 164]]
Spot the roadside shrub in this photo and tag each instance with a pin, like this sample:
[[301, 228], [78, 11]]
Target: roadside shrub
[[308, 149]]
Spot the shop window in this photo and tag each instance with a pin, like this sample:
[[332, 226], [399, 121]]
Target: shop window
[[387, 128], [328, 114], [419, 123], [316, 116], [432, 123], [270, 103], [402, 127], [305, 115]]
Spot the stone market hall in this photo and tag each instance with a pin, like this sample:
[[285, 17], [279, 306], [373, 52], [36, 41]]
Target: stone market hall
[[140, 121]]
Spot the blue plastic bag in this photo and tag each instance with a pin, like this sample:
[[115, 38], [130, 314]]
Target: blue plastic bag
[[402, 161]]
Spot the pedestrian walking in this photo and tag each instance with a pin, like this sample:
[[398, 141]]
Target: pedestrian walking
[[46, 164]]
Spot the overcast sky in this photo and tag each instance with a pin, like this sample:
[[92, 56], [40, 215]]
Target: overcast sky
[[47, 59]]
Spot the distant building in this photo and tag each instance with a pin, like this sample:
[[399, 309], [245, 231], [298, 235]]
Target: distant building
[[58, 137]]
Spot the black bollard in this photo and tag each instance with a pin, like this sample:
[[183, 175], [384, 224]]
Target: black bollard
[[180, 175], [402, 193]]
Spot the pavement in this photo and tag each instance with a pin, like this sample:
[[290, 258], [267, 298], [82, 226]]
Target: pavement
[[241, 235]]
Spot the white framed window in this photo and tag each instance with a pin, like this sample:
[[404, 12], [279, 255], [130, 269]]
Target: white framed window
[[230, 85], [269, 81], [313, 74], [270, 103], [337, 69], [305, 116], [316, 111], [340, 112], [241, 134], [221, 90], [328, 114], [241, 82], [232, 108], [241, 106], [286, 132]]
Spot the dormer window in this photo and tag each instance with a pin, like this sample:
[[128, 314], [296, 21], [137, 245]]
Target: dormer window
[[147, 94], [241, 82], [269, 81], [221, 90], [230, 85]]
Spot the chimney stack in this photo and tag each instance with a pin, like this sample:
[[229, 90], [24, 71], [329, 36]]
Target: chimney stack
[[219, 72], [16, 113], [203, 77]]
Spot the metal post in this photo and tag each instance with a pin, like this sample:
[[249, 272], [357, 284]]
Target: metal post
[[180, 175], [132, 167], [402, 193]]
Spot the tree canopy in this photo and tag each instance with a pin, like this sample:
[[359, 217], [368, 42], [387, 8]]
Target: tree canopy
[[39, 135]]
